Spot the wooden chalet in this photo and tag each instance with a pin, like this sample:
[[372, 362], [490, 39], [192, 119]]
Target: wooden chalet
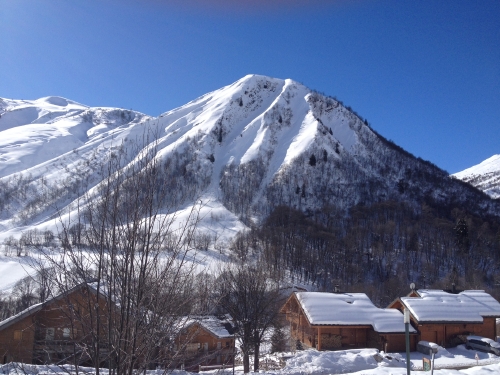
[[445, 318], [207, 341], [46, 332], [334, 321]]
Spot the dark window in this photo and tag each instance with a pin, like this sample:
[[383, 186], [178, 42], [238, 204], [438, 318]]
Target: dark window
[[478, 342]]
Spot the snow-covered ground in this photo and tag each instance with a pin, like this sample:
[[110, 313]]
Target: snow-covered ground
[[447, 361], [12, 270], [456, 361]]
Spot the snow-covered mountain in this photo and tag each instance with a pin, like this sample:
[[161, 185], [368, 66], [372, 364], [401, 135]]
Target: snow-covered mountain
[[243, 149], [485, 176], [37, 131]]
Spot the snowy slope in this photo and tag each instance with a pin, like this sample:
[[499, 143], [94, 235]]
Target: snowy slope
[[485, 176], [37, 131], [255, 120]]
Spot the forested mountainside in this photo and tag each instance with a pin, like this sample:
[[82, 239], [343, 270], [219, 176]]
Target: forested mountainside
[[485, 176], [324, 197]]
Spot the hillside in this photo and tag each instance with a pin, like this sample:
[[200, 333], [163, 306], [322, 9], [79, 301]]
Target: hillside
[[248, 151]]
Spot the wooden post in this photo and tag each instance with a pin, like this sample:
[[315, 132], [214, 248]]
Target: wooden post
[[319, 338], [407, 336], [300, 328], [445, 341], [234, 348]]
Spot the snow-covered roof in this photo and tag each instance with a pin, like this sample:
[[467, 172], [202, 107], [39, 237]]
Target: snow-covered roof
[[218, 326], [440, 306], [349, 309], [26, 312], [37, 307]]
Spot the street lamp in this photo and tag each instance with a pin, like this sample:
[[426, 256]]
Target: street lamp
[[407, 334]]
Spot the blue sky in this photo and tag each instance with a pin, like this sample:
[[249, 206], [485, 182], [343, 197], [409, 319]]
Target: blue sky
[[425, 74]]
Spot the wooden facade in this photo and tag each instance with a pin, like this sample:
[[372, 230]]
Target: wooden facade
[[339, 336], [48, 332], [205, 341], [17, 341]]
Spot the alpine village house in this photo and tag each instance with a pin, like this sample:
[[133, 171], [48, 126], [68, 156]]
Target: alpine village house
[[205, 342], [45, 333], [332, 321], [447, 317]]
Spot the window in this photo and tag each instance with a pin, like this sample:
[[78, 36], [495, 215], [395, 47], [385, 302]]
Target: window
[[219, 345], [18, 335], [49, 333], [227, 344], [66, 332], [192, 347]]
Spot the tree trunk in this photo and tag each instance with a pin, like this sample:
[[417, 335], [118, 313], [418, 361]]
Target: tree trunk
[[246, 362], [256, 357]]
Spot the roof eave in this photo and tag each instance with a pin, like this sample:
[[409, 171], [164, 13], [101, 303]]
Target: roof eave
[[448, 322], [24, 314], [343, 325]]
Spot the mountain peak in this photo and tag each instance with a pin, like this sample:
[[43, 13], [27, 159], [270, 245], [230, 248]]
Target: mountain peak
[[492, 164], [250, 146], [485, 176], [55, 100]]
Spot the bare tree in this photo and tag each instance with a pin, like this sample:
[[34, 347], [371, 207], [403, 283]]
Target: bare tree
[[123, 243], [252, 297]]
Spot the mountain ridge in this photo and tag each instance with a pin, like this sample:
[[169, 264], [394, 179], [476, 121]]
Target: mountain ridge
[[252, 145]]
